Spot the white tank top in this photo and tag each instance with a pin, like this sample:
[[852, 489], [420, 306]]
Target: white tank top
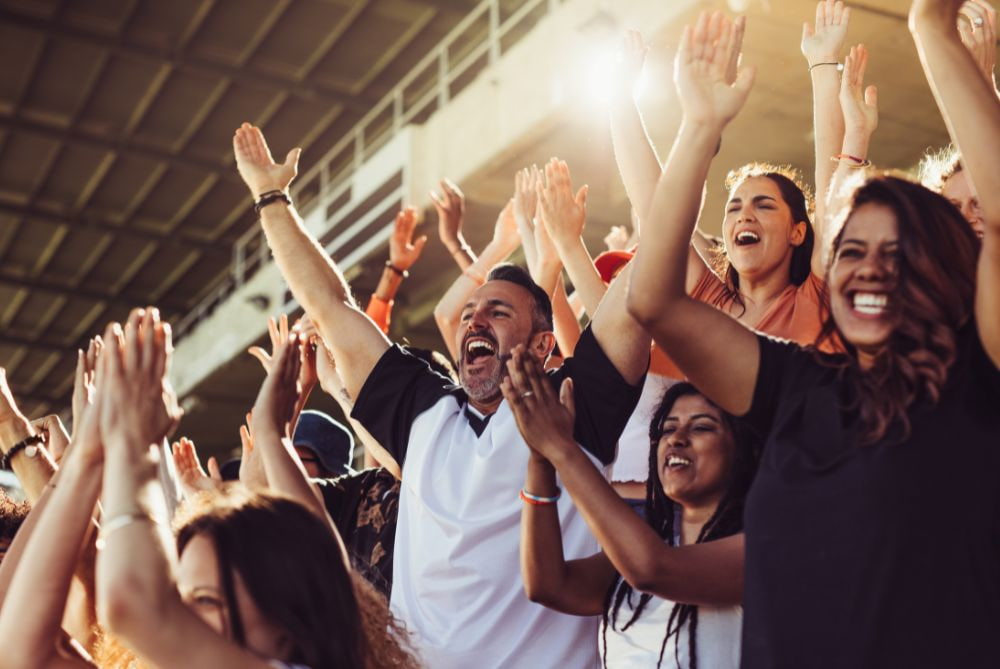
[[718, 637]]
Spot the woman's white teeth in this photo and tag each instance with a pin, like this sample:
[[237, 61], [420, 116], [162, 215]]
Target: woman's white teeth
[[747, 237], [870, 303], [677, 461]]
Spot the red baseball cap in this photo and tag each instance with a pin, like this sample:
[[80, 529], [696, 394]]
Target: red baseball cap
[[609, 263]]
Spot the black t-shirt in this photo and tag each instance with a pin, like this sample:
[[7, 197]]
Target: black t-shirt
[[401, 387], [873, 556]]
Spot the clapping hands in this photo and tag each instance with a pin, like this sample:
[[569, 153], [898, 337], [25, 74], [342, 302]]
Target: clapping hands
[[702, 67], [136, 404]]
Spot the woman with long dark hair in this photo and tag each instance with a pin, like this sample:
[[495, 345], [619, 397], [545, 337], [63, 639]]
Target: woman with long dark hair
[[872, 528], [658, 606], [260, 580]]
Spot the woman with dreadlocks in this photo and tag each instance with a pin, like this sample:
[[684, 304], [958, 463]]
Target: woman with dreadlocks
[[669, 587]]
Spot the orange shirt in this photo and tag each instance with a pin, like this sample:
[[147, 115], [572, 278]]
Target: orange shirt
[[794, 315], [380, 311]]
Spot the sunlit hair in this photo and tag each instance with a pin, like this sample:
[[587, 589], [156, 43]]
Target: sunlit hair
[[661, 513], [796, 196], [936, 167], [933, 299], [293, 569]]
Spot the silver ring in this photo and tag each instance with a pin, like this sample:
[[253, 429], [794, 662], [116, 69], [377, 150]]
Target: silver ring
[[527, 393], [978, 21]]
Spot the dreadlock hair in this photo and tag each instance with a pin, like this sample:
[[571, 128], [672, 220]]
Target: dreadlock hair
[[796, 196], [661, 511], [933, 297]]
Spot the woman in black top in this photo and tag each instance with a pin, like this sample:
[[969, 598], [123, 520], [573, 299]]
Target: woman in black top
[[873, 526]]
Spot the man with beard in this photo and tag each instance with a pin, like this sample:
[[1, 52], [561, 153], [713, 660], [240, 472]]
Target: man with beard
[[456, 576]]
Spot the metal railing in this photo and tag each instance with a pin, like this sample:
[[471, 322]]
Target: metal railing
[[425, 89]]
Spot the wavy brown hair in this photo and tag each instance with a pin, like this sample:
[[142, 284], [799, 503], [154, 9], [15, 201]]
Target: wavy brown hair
[[796, 196], [294, 571], [933, 296]]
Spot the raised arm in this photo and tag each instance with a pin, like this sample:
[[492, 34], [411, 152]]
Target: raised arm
[[272, 428], [403, 253], [138, 601], [822, 46], [450, 205], [972, 113], [33, 608], [448, 312], [718, 354], [635, 154], [563, 214], [977, 25], [709, 573], [33, 467], [312, 276], [577, 587]]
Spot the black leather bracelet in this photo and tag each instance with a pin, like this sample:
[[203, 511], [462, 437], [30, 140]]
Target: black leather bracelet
[[270, 197], [6, 458]]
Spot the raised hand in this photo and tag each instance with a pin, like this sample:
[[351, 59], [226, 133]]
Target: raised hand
[[450, 206], [631, 58], [544, 418], [274, 409], [526, 181], [279, 332], [700, 70], [824, 41], [506, 236], [56, 438], [255, 164], [138, 406], [977, 26], [190, 472], [251, 467], [403, 249], [735, 49], [83, 381], [562, 212], [860, 105], [8, 405]]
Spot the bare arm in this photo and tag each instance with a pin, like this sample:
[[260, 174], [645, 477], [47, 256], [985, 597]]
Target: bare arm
[[448, 312], [709, 573], [312, 276], [32, 472], [822, 46], [31, 617], [404, 251], [972, 113], [137, 596], [567, 327], [450, 205], [576, 587], [719, 355], [636, 156]]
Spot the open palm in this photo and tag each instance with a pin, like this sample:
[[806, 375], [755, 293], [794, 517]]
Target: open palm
[[700, 72], [255, 164]]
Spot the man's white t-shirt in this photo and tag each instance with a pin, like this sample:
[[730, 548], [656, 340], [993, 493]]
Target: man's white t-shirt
[[456, 574]]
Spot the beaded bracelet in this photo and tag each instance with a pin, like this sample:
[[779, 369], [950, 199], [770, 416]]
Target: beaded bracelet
[[536, 500], [24, 445], [402, 273]]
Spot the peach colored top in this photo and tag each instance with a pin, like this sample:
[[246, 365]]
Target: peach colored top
[[794, 315], [380, 311]]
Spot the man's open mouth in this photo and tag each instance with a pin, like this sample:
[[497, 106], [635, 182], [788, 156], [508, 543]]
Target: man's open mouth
[[478, 348]]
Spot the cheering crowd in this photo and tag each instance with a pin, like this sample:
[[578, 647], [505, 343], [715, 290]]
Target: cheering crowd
[[777, 448]]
